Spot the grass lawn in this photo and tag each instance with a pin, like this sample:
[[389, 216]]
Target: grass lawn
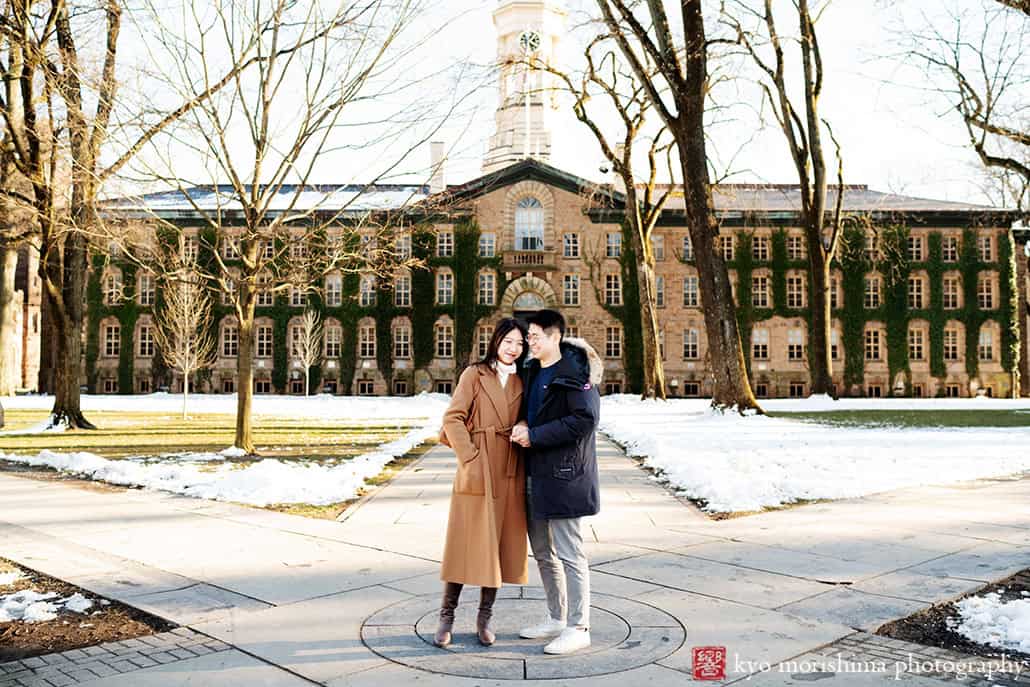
[[915, 419], [123, 434]]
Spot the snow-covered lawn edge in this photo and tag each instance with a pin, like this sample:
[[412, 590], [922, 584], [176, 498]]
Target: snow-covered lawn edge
[[993, 622], [30, 606], [269, 481], [735, 464]]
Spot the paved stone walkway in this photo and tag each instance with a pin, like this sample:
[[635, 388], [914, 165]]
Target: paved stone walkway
[[300, 602]]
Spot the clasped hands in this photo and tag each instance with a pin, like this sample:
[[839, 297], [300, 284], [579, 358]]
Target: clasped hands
[[520, 434]]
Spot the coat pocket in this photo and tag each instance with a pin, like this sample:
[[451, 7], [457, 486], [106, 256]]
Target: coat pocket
[[470, 478], [568, 470]]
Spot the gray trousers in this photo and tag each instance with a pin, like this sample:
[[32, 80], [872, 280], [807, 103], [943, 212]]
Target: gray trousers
[[558, 549]]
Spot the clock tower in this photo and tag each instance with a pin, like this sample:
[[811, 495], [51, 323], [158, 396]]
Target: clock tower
[[528, 99]]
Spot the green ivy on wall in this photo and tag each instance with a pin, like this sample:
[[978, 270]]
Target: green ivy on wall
[[629, 315]]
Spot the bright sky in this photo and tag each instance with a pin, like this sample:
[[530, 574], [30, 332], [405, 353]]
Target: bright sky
[[895, 135]]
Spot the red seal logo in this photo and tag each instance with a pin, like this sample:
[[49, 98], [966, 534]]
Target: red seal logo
[[709, 662]]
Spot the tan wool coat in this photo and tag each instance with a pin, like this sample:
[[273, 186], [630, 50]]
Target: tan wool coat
[[486, 540]]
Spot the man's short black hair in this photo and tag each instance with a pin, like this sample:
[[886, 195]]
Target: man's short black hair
[[548, 319]]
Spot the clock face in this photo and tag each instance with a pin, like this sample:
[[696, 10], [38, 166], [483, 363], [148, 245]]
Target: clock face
[[529, 41]]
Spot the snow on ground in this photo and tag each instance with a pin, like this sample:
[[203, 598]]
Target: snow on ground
[[47, 426], [989, 620], [34, 607], [745, 464], [267, 481], [7, 578]]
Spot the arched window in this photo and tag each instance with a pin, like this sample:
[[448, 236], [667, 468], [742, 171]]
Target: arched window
[[529, 224]]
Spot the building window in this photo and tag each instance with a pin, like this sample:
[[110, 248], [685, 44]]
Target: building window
[[230, 247], [143, 385], [366, 387], [613, 342], [985, 248], [265, 296], [795, 345], [402, 246], [951, 293], [612, 388], [916, 251], [402, 292], [951, 349], [985, 292], [367, 342], [570, 289], [797, 390], [834, 290], [444, 386], [612, 289], [691, 296], [483, 341], [952, 390], [297, 297], [146, 341], [795, 247], [613, 246], [230, 341], [760, 291], [570, 245], [230, 290], [871, 248], [145, 291], [444, 341], [190, 248], [487, 245], [834, 344], [760, 248], [872, 345], [659, 291], [726, 247], [916, 344], [949, 249], [402, 342], [367, 291], [872, 292], [658, 246], [110, 386], [445, 244], [296, 386], [661, 344], [298, 249], [112, 340], [487, 288], [267, 248], [529, 225], [228, 386], [688, 248], [112, 289], [795, 291], [296, 340], [918, 391], [874, 391], [400, 387], [264, 341], [691, 344], [762, 390], [572, 332], [444, 288], [334, 291], [333, 341], [760, 344], [915, 293], [262, 386], [985, 347], [692, 389]]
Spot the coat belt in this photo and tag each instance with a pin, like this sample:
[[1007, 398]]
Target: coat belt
[[505, 431]]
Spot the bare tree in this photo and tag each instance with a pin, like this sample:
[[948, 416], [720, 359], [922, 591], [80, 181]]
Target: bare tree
[[802, 127], [182, 329], [977, 61], [607, 86], [677, 87], [267, 226], [306, 344]]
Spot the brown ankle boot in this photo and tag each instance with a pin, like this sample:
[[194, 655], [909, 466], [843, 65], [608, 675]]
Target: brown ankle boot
[[451, 592], [487, 596]]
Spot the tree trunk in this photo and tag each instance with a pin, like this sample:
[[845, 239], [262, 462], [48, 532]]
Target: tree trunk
[[45, 377], [654, 368], [10, 378], [820, 361], [185, 394], [307, 377], [725, 354], [245, 371]]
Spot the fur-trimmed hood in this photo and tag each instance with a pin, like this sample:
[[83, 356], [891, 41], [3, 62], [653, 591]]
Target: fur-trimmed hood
[[593, 366]]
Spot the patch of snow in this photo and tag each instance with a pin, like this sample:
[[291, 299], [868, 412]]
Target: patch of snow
[[28, 606], [989, 620], [10, 577], [266, 481], [77, 603], [232, 452], [47, 426], [737, 463]]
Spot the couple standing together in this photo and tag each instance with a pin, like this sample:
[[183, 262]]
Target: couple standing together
[[524, 436]]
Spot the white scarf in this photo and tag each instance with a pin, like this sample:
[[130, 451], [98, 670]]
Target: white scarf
[[503, 371]]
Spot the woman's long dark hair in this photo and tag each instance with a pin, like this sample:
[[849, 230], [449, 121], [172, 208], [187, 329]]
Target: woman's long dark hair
[[503, 328]]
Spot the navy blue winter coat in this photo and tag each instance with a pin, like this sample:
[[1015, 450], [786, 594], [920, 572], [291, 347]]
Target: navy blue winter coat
[[561, 463]]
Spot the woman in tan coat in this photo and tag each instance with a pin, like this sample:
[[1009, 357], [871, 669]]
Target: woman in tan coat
[[486, 530]]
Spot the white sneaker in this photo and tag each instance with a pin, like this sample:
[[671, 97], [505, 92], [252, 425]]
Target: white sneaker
[[571, 639], [548, 628]]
